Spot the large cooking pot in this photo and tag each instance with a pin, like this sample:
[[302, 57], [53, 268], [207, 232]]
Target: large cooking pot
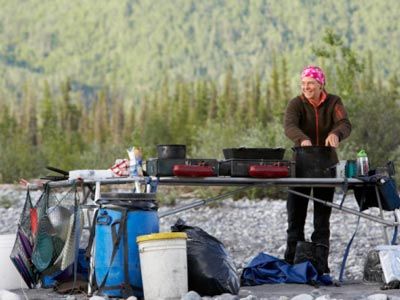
[[171, 151], [315, 161]]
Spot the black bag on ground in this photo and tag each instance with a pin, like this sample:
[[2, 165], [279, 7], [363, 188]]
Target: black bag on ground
[[210, 268]]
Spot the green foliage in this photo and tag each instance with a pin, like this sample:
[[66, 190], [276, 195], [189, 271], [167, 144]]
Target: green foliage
[[377, 127]]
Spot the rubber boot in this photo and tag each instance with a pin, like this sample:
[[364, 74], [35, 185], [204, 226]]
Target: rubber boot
[[290, 252], [321, 257], [305, 251]]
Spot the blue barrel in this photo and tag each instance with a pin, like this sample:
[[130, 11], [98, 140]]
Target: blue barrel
[[141, 219]]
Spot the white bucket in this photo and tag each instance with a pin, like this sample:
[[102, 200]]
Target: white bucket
[[163, 264], [10, 278]]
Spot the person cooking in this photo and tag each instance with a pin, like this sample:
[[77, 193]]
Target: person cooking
[[314, 118]]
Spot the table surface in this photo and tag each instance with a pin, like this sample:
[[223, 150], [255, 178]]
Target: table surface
[[220, 181]]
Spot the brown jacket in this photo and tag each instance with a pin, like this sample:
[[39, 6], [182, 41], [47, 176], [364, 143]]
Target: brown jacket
[[304, 121]]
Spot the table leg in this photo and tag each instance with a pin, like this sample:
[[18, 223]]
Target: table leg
[[384, 227]]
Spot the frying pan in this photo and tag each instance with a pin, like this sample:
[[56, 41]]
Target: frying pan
[[62, 172]]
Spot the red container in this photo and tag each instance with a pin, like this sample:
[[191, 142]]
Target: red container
[[268, 171], [193, 171]]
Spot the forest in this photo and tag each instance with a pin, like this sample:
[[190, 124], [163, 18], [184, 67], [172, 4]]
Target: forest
[[76, 91]]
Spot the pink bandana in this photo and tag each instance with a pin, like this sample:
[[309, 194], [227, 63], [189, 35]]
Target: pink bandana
[[314, 72]]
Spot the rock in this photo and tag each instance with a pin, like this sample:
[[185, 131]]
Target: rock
[[191, 295], [226, 296], [377, 297], [244, 293], [249, 297], [97, 298], [316, 293], [324, 297], [303, 297]]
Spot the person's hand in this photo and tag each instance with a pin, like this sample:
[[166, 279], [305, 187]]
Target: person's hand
[[332, 140], [305, 143]]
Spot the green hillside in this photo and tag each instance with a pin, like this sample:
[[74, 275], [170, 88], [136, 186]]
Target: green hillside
[[131, 45]]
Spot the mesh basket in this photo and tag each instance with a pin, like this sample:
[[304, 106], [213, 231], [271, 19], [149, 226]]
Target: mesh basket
[[21, 253], [48, 235]]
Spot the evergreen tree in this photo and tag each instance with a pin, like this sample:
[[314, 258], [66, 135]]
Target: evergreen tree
[[101, 127], [213, 107], [28, 120], [117, 120]]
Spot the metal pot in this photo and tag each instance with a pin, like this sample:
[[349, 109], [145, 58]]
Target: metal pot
[[315, 161], [171, 151]]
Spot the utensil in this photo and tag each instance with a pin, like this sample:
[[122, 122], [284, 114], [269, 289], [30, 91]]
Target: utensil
[[26, 243], [59, 217], [43, 250], [70, 250]]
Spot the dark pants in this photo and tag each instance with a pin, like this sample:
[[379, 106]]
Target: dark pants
[[297, 213]]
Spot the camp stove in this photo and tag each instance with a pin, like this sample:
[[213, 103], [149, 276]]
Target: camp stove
[[261, 168], [189, 167]]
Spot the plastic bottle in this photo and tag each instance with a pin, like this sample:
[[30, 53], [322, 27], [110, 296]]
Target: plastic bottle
[[362, 163]]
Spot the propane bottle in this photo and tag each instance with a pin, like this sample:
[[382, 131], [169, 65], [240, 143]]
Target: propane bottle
[[362, 163]]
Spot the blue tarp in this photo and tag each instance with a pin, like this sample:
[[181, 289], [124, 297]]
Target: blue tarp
[[265, 268]]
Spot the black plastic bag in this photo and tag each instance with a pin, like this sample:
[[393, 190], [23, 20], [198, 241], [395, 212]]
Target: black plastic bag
[[211, 270]]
